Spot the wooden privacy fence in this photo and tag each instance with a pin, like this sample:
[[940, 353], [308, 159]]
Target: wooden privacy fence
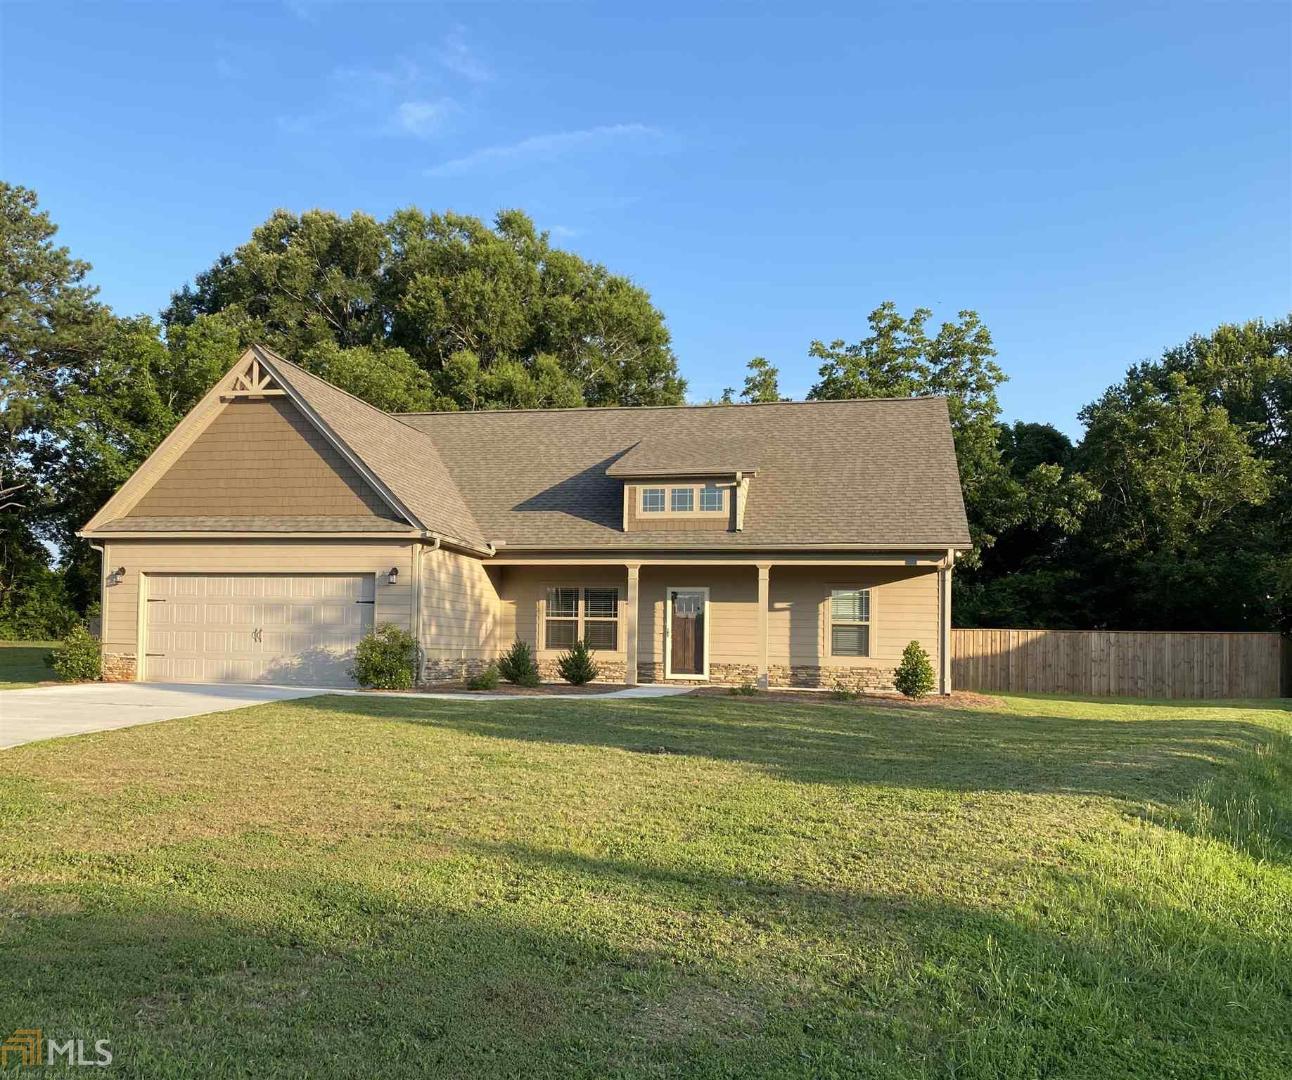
[[1120, 663]]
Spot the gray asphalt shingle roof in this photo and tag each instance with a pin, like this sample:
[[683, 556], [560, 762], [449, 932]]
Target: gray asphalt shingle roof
[[877, 472]]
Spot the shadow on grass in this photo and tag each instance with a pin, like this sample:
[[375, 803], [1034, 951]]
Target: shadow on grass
[[321, 977], [953, 750]]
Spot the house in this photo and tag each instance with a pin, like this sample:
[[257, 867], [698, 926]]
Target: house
[[796, 543]]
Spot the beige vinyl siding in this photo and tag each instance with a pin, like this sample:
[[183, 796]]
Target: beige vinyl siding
[[460, 607], [122, 617], [260, 457], [524, 597], [732, 614], [904, 607]]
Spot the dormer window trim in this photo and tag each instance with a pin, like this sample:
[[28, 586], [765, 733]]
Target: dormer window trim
[[706, 499]]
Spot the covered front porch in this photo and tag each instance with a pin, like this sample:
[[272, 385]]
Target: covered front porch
[[779, 620]]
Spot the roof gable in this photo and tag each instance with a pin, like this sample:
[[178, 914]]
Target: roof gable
[[260, 457], [403, 461]]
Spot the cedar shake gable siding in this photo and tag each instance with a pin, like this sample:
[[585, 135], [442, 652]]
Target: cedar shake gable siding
[[260, 458]]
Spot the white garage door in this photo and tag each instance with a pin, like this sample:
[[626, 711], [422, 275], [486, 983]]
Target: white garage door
[[256, 628]]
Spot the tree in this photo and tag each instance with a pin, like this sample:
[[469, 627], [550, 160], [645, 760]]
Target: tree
[[1189, 532], [439, 310], [763, 381], [50, 321], [899, 359]]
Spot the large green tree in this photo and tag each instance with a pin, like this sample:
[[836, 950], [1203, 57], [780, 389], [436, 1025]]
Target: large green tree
[[900, 358], [439, 311], [1192, 457], [50, 322]]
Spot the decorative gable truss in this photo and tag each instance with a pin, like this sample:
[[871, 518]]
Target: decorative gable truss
[[254, 381], [248, 378]]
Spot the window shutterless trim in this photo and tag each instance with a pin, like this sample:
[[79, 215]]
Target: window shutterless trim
[[577, 621], [866, 622]]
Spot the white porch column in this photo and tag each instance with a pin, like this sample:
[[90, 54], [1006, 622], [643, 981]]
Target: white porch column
[[944, 624], [764, 595], [630, 631]]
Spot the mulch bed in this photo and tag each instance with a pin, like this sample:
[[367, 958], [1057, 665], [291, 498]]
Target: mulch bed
[[544, 690], [958, 699]]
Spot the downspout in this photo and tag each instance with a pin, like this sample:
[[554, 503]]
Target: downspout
[[944, 629], [103, 587], [422, 550]]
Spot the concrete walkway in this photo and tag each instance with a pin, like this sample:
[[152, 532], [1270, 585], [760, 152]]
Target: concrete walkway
[[50, 712]]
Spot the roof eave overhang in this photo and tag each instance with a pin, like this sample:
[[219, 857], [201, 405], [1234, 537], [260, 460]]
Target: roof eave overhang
[[664, 474], [938, 547]]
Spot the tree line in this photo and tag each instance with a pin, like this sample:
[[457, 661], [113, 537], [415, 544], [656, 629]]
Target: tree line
[[1174, 510]]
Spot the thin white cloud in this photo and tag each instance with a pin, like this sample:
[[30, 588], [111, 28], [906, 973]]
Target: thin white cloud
[[456, 55], [421, 118], [545, 147], [562, 232]]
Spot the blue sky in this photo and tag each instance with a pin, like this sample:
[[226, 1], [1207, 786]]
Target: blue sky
[[1097, 181]]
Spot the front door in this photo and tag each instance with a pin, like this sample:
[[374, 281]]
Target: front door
[[688, 609]]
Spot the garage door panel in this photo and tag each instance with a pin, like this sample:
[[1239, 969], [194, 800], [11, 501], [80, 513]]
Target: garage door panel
[[289, 628]]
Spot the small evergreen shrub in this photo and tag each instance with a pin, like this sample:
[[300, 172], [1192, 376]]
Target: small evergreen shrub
[[842, 693], [78, 658], [517, 665], [914, 676], [386, 659], [577, 666], [486, 679], [744, 690]]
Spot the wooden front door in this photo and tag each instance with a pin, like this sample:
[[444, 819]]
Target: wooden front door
[[687, 612]]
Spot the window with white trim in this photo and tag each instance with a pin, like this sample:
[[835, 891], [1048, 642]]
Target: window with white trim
[[849, 622], [562, 618], [710, 497], [590, 615], [682, 500], [652, 500]]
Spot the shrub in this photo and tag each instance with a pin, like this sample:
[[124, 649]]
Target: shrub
[[386, 659], [744, 690], [485, 679], [517, 665], [577, 666], [78, 658], [842, 693], [914, 676]]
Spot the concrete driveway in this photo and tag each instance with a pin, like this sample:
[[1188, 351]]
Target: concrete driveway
[[48, 712]]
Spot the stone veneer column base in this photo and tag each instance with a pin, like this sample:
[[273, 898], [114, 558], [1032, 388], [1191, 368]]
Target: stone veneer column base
[[783, 676], [119, 667], [439, 670]]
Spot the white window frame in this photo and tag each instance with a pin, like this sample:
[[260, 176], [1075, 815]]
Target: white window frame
[[831, 622], [581, 617], [686, 490], [697, 506]]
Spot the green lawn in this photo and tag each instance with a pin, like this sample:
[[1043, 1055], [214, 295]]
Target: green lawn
[[22, 663], [374, 887]]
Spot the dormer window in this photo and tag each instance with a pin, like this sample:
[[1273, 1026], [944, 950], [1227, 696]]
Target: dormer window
[[682, 500], [711, 498], [652, 500]]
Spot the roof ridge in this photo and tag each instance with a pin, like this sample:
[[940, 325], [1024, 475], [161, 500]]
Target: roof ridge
[[278, 358], [661, 408]]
